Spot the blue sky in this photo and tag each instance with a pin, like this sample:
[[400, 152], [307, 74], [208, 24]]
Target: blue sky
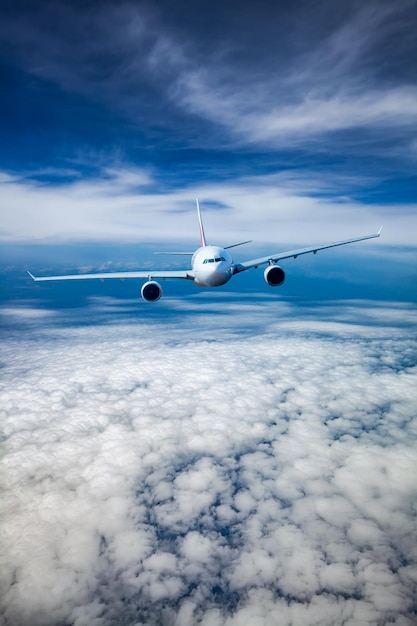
[[240, 455], [298, 121]]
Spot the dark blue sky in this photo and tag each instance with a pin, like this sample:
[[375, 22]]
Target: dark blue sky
[[212, 93], [292, 123]]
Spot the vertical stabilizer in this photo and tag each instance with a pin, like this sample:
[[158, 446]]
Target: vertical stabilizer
[[200, 221]]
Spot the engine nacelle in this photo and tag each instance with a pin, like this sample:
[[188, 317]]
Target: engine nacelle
[[151, 291], [274, 275]]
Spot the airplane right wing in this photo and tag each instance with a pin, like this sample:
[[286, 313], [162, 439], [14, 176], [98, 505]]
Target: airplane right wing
[[274, 258]]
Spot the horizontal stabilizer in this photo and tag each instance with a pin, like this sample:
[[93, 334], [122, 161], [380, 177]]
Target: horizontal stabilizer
[[242, 243]]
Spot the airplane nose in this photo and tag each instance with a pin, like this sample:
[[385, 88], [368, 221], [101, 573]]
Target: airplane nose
[[219, 277]]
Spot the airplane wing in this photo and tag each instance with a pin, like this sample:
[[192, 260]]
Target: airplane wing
[[150, 274], [273, 258]]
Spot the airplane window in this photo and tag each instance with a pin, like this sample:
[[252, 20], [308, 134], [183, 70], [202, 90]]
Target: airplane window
[[216, 260]]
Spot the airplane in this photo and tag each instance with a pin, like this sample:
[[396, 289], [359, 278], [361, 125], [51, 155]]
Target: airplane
[[211, 266]]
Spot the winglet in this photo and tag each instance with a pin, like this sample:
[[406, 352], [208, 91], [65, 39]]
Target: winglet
[[200, 221], [380, 231], [31, 275]]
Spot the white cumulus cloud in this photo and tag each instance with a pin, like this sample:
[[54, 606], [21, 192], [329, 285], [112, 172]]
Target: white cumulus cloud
[[154, 477]]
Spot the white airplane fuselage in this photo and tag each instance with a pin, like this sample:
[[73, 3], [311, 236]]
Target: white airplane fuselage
[[212, 266]]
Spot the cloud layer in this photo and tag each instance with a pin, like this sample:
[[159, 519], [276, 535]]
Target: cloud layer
[[152, 477], [123, 204]]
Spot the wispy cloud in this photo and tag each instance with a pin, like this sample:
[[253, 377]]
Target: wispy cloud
[[347, 72], [331, 84], [124, 204]]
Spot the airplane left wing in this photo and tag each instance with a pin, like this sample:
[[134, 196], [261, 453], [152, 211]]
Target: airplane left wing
[[150, 274], [274, 258]]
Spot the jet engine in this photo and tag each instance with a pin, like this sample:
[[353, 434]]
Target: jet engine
[[274, 275], [151, 291]]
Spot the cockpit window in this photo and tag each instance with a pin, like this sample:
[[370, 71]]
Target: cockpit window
[[216, 260]]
